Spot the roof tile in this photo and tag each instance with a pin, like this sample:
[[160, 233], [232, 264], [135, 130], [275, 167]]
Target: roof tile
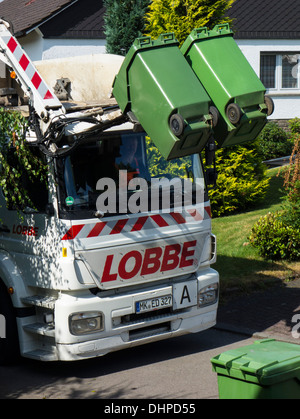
[[26, 14], [277, 19]]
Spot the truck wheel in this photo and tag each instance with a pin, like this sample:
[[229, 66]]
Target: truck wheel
[[9, 341], [233, 113], [177, 124], [270, 105]]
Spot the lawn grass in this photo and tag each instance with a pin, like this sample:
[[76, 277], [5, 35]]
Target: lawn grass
[[241, 268]]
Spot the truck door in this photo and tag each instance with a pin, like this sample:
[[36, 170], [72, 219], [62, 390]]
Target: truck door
[[28, 232]]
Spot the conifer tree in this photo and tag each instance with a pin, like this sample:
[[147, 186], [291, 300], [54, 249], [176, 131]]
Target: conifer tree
[[182, 16], [124, 21]]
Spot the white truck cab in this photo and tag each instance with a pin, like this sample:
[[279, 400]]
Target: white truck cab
[[84, 282]]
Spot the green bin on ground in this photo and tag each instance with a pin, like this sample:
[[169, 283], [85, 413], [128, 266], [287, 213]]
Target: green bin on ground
[[231, 82], [158, 86], [267, 369]]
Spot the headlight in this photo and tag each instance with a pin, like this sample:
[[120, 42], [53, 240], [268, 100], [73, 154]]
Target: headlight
[[85, 323], [208, 295]]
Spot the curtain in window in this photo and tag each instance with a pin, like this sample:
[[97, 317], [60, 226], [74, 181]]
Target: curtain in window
[[267, 70], [290, 65]]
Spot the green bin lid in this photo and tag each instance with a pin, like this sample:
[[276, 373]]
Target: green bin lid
[[202, 34], [266, 362]]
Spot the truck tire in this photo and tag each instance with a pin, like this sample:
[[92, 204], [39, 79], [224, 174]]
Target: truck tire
[[9, 344]]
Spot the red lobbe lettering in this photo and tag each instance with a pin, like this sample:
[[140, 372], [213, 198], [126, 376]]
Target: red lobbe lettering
[[135, 263]]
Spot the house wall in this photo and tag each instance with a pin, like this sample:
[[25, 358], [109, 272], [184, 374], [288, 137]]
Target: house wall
[[63, 48], [287, 103], [39, 48]]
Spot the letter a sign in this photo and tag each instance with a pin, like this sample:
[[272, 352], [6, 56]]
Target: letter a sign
[[185, 295]]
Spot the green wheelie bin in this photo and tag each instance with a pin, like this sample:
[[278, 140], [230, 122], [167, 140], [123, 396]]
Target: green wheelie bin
[[157, 85], [267, 369], [231, 82]]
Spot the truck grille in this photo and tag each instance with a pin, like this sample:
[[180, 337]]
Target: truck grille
[[137, 318], [148, 331]]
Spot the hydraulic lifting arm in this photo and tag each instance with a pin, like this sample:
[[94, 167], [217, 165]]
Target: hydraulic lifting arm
[[56, 130], [45, 103]]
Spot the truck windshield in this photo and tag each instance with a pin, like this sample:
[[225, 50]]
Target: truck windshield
[[121, 173]]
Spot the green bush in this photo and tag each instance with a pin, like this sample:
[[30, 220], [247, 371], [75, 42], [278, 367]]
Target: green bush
[[294, 125], [291, 202], [274, 142], [182, 16], [275, 239], [242, 180], [277, 236]]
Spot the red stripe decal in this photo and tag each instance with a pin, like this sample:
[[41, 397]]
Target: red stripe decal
[[73, 232], [24, 62], [97, 230], [178, 217], [208, 210], [139, 224], [118, 227], [36, 80], [159, 220], [48, 95], [12, 45]]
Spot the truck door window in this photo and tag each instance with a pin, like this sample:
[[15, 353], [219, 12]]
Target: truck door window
[[36, 189]]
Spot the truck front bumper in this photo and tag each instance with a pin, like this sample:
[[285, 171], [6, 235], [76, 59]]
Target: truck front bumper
[[123, 327]]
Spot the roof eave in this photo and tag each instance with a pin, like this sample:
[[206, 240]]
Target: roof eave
[[266, 35], [36, 25]]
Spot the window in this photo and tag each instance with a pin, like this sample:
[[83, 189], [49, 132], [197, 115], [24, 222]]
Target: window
[[117, 160], [290, 69], [268, 70], [280, 71]]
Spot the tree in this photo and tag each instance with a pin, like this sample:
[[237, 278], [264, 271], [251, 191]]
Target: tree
[[242, 180], [182, 16], [124, 21], [18, 162]]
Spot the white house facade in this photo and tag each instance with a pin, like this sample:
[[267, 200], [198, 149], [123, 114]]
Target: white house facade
[[57, 28], [268, 33], [40, 48], [276, 62]]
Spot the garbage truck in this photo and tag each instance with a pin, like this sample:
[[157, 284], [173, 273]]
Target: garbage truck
[[117, 247]]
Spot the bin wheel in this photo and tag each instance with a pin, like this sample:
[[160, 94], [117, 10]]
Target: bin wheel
[[215, 115], [234, 113], [177, 124], [270, 105]]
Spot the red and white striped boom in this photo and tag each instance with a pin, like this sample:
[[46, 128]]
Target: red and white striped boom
[[43, 99]]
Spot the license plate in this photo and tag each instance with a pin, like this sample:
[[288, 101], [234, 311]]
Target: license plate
[[154, 304]]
